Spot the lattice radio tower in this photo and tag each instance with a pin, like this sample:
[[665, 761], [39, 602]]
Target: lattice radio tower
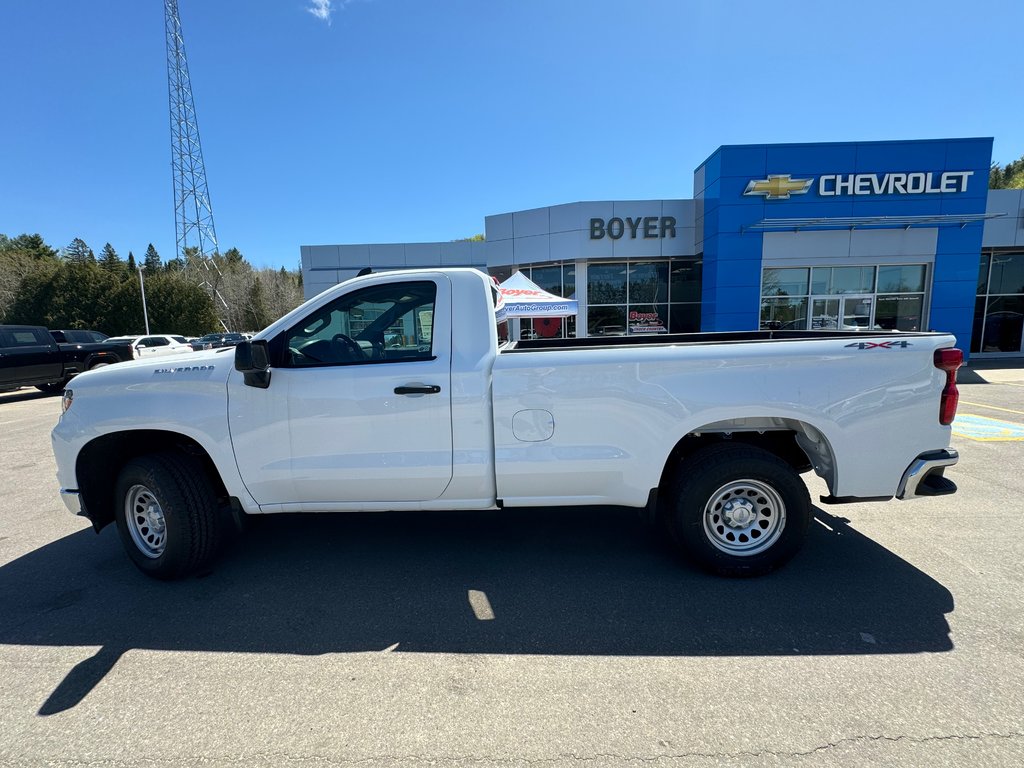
[[193, 213]]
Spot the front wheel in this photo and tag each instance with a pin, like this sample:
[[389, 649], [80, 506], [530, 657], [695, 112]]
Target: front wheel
[[738, 510], [167, 514]]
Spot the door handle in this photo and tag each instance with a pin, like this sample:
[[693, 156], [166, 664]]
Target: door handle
[[418, 389]]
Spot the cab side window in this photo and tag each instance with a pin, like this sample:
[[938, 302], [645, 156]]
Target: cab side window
[[385, 323], [25, 337]]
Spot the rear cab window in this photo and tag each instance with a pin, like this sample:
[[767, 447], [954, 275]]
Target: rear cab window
[[25, 337]]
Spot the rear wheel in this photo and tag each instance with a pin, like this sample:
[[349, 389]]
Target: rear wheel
[[738, 510], [167, 515]]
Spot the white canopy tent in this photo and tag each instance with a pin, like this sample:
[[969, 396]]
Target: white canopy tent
[[521, 297]]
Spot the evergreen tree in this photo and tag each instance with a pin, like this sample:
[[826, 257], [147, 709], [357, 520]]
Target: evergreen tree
[[78, 252], [233, 258], [177, 304], [25, 258], [109, 259], [32, 246], [151, 264], [257, 316], [70, 296], [131, 262], [1010, 176]]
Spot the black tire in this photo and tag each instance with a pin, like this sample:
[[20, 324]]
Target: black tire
[[186, 502], [766, 501]]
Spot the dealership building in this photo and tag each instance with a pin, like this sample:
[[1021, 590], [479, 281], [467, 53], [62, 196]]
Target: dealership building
[[862, 235]]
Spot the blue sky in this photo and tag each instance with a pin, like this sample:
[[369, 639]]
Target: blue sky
[[410, 120]]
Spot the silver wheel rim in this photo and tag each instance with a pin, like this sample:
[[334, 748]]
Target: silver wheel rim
[[744, 517], [146, 522]]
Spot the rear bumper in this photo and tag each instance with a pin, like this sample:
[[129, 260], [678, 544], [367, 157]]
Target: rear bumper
[[925, 475]]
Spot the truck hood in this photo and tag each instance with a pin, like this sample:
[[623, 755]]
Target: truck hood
[[184, 394], [206, 366]]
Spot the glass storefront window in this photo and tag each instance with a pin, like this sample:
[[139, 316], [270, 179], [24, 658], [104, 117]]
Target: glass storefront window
[[999, 308], [685, 283], [684, 318], [606, 283], [548, 278], [784, 282], [1007, 273], [569, 283], [837, 280], [783, 314], [979, 321], [846, 298], [1004, 322], [901, 279], [648, 282], [606, 321], [644, 297], [899, 313]]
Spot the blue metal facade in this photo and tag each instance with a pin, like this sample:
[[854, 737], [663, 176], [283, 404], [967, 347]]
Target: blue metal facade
[[733, 252]]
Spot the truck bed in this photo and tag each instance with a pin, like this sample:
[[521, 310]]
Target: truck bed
[[718, 337]]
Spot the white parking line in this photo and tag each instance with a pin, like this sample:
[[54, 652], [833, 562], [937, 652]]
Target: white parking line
[[992, 407], [481, 605]]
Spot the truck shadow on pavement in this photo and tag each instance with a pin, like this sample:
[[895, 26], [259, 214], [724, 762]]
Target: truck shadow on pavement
[[24, 395], [572, 581]]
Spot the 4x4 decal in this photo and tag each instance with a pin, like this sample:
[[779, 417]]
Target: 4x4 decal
[[879, 344]]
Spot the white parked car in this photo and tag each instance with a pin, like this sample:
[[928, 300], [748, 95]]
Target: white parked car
[[156, 345]]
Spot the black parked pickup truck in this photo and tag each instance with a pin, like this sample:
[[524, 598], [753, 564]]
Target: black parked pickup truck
[[29, 357]]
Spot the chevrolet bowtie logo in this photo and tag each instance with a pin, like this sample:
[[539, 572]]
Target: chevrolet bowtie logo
[[778, 187]]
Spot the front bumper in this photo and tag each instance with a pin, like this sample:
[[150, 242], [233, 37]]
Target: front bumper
[[924, 477], [73, 501]]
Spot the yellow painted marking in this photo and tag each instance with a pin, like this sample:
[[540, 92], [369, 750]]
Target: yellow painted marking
[[992, 407]]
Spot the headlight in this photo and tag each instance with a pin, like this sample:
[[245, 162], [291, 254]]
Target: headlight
[[65, 401]]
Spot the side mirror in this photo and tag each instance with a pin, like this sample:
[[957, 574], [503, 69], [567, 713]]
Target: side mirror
[[252, 359]]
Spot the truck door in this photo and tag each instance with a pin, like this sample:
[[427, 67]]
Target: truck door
[[29, 354], [359, 402]]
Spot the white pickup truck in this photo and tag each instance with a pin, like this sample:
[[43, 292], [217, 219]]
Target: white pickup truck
[[392, 392]]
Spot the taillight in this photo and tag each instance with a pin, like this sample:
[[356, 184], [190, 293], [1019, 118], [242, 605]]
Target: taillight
[[948, 360]]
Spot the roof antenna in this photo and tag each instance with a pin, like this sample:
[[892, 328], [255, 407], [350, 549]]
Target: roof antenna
[[364, 271]]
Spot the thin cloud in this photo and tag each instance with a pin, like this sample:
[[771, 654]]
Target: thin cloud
[[324, 9]]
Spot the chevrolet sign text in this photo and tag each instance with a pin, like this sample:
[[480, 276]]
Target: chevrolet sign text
[[831, 185]]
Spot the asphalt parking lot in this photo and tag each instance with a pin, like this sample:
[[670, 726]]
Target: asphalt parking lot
[[541, 637]]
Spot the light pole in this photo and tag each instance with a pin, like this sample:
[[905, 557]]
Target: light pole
[[142, 286]]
